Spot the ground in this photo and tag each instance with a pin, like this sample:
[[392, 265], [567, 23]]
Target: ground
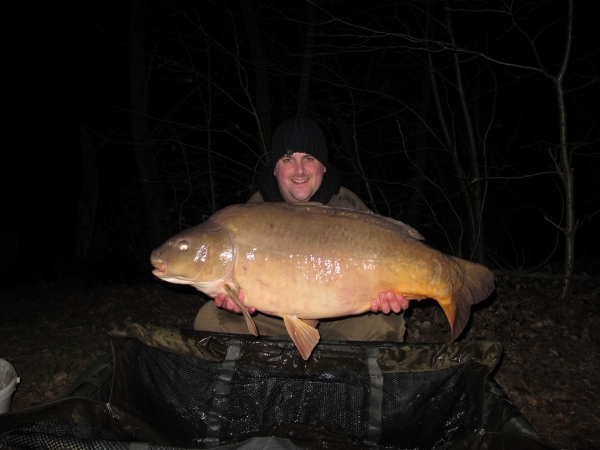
[[51, 333]]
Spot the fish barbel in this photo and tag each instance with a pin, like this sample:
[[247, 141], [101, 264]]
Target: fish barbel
[[306, 262]]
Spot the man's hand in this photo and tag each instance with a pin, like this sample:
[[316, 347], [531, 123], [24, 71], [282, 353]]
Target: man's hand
[[389, 302], [225, 302]]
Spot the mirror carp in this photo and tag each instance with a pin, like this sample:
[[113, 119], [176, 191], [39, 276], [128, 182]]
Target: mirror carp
[[306, 262]]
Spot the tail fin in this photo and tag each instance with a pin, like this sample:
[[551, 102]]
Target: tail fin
[[478, 284]]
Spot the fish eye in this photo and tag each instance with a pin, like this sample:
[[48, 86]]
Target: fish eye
[[183, 245]]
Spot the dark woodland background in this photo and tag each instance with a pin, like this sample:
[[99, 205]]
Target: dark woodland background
[[477, 122]]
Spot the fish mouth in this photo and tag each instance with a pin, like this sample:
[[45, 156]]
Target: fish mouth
[[159, 268]]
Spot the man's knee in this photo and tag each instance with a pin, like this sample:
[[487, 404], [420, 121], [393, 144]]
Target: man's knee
[[366, 327], [211, 318]]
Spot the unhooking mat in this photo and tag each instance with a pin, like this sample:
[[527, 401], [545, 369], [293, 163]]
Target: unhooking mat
[[166, 388]]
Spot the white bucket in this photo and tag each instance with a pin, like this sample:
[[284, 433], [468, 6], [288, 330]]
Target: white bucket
[[8, 385]]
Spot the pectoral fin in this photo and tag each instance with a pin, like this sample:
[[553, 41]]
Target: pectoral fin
[[303, 333], [233, 292]]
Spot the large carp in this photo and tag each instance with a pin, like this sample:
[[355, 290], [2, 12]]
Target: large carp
[[305, 262]]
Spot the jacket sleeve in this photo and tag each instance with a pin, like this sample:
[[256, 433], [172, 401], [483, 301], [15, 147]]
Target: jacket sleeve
[[255, 198], [348, 199], [343, 199]]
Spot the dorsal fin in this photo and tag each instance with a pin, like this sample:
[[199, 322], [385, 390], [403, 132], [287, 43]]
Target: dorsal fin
[[412, 232]]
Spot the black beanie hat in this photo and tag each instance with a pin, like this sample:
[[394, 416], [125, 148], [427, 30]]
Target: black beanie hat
[[299, 135]]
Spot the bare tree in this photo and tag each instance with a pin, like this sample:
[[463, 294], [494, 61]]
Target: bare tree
[[472, 179], [562, 153]]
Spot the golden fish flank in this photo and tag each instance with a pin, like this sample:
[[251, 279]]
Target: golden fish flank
[[300, 262]]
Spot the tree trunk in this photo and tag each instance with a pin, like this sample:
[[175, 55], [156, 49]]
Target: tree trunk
[[413, 215], [146, 164], [309, 43], [451, 148], [208, 116], [350, 146], [261, 76], [474, 199], [564, 168], [88, 201]]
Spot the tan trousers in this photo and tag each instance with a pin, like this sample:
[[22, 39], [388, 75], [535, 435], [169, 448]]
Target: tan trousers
[[366, 327]]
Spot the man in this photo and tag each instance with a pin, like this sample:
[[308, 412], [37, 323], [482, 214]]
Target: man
[[299, 171]]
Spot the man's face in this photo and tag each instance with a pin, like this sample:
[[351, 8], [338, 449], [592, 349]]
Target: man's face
[[299, 176]]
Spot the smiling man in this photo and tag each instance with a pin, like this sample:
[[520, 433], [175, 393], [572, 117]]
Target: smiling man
[[299, 176], [299, 171]]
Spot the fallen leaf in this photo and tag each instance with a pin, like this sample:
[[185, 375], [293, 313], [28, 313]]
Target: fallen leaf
[[532, 400], [60, 376]]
